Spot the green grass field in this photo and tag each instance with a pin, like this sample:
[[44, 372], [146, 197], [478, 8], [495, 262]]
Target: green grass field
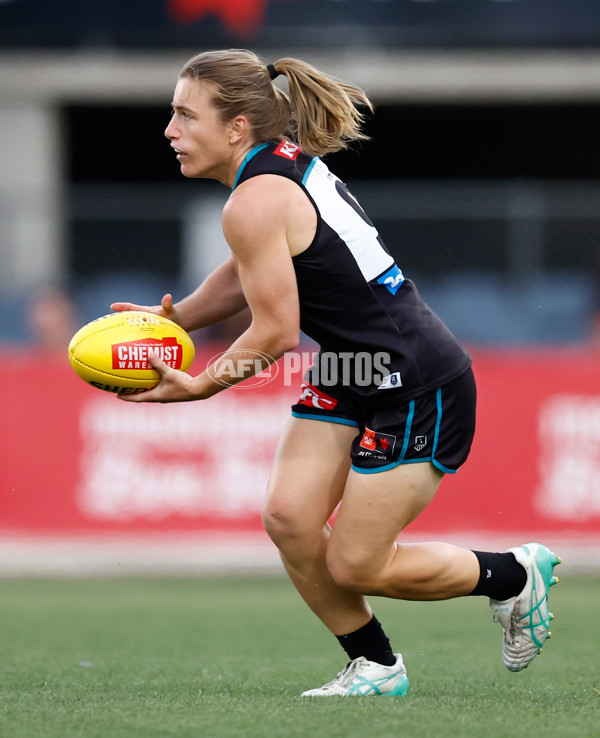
[[151, 658]]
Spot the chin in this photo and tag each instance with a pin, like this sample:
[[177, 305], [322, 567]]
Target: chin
[[187, 171]]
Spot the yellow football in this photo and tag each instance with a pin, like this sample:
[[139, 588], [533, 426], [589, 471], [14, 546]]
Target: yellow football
[[112, 352]]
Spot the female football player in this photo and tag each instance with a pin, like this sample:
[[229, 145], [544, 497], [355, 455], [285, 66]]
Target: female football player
[[305, 256]]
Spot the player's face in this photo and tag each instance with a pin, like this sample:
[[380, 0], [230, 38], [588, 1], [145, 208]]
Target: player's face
[[197, 134]]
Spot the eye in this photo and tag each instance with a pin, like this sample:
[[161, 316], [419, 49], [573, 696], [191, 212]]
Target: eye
[[184, 114]]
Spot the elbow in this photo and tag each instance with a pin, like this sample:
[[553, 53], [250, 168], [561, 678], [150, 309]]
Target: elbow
[[275, 339], [285, 339], [287, 342]]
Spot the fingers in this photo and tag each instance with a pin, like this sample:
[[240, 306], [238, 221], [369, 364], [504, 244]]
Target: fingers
[[137, 397], [165, 308], [126, 306], [154, 394], [158, 364]]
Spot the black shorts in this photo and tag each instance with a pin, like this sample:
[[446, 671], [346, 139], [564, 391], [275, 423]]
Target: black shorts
[[437, 426]]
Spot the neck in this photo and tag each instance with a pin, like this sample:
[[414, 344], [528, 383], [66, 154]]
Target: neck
[[238, 162]]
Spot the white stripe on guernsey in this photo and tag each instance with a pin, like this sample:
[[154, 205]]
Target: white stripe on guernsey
[[357, 234]]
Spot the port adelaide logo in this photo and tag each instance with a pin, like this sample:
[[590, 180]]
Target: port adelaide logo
[[420, 443]]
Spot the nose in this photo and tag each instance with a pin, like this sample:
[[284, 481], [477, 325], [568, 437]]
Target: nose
[[170, 130]]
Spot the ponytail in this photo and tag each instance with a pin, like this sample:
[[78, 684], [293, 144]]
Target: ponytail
[[321, 113], [325, 112]]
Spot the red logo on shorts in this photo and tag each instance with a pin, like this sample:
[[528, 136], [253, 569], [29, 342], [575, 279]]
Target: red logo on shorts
[[288, 150], [313, 397], [382, 443], [368, 440]]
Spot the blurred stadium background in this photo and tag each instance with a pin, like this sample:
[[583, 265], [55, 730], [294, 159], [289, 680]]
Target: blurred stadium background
[[483, 176]]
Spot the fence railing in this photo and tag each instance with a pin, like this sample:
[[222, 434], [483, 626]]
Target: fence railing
[[514, 261]]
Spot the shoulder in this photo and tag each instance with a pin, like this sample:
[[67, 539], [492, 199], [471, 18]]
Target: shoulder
[[264, 199], [269, 210]]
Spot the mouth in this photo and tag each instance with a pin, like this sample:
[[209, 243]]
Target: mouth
[[179, 154]]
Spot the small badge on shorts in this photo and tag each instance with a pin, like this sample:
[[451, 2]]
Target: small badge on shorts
[[390, 381], [314, 397], [378, 445], [420, 443]]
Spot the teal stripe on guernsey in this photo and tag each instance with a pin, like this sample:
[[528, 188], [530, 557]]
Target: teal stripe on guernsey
[[247, 158], [309, 170], [327, 418]]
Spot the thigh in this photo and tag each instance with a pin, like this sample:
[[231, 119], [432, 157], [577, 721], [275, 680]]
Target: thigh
[[309, 473], [377, 507]]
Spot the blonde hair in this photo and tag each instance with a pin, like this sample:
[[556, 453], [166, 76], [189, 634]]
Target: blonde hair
[[321, 113]]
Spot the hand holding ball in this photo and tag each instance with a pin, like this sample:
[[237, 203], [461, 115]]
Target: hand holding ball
[[112, 352]]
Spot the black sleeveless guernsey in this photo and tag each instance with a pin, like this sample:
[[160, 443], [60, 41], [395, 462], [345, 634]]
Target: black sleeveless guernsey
[[353, 297]]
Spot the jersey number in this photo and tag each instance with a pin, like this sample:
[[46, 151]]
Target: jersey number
[[346, 195]]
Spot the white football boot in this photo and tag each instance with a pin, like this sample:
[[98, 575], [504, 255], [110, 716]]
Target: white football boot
[[361, 678], [525, 618]]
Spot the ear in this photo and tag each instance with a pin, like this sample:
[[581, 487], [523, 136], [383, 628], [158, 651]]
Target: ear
[[238, 128]]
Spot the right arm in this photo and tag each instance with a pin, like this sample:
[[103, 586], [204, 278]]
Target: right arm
[[218, 297]]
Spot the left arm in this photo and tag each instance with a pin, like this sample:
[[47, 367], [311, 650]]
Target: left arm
[[255, 224]]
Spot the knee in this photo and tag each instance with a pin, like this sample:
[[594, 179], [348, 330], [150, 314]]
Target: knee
[[281, 523], [275, 522], [350, 573]]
